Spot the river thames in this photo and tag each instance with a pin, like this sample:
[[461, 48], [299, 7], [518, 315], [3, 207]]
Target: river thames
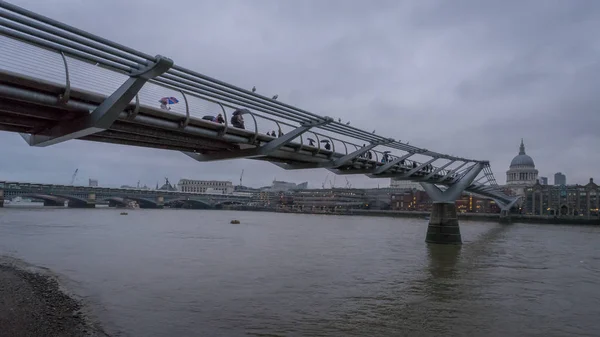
[[191, 273]]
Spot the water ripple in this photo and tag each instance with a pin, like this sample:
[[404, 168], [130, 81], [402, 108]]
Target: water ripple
[[191, 273]]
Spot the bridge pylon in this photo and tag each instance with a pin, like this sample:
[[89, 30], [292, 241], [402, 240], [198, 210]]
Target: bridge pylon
[[505, 209], [443, 223]]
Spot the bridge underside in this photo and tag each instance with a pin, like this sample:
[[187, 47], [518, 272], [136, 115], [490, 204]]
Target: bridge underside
[[188, 204], [35, 117], [53, 200], [115, 201], [144, 203], [31, 106]]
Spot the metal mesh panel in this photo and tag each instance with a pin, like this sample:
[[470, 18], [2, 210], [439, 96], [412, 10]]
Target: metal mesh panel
[[23, 58]]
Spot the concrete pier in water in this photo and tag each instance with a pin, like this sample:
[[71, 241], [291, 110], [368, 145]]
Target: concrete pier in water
[[443, 224]]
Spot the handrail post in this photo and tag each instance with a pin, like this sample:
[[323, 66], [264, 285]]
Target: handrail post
[[64, 97], [184, 122]]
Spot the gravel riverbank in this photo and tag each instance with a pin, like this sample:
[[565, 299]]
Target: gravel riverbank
[[33, 305]]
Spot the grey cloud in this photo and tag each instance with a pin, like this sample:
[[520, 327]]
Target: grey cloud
[[463, 77]]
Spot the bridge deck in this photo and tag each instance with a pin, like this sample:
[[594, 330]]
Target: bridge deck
[[29, 105]]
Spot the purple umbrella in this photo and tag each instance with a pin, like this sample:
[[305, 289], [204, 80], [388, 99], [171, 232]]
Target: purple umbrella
[[168, 100]]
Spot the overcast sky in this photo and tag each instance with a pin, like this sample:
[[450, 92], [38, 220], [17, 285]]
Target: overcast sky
[[470, 78]]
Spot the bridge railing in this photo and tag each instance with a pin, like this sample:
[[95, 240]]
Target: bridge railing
[[77, 75], [33, 28], [72, 57], [86, 77]]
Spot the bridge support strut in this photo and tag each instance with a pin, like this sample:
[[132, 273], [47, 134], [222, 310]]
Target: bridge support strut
[[264, 150], [106, 113], [333, 165], [443, 223], [505, 209]]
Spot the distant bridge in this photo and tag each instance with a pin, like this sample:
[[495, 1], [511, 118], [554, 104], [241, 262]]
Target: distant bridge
[[59, 83], [87, 197]]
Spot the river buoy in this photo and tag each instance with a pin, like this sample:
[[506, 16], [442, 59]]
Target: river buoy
[[123, 213], [235, 222]]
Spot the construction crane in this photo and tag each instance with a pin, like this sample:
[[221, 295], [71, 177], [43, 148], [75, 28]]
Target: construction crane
[[241, 176], [74, 176]]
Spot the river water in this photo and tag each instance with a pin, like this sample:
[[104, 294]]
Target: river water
[[192, 273]]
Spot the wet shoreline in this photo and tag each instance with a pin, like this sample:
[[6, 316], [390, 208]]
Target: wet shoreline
[[33, 304]]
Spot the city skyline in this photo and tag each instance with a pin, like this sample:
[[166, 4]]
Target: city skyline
[[455, 93]]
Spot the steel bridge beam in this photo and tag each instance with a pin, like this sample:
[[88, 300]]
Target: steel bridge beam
[[264, 150], [506, 206], [427, 177], [449, 175], [455, 190], [419, 168], [351, 156], [333, 164], [106, 113], [391, 164]]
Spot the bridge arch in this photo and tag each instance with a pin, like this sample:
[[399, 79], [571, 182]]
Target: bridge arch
[[228, 202], [49, 200], [143, 202], [190, 202], [71, 198], [58, 199], [114, 201]]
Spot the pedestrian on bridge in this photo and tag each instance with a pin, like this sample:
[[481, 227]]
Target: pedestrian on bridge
[[237, 120]]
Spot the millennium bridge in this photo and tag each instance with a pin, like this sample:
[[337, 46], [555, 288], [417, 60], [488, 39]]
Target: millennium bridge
[[59, 83]]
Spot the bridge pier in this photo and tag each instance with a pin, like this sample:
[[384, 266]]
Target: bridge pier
[[89, 203], [505, 217], [160, 201], [505, 210], [443, 223], [1, 198]]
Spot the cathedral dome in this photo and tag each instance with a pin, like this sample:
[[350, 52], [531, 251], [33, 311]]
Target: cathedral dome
[[522, 172], [522, 159]]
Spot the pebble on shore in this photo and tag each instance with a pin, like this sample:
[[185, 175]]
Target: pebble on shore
[[32, 304]]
